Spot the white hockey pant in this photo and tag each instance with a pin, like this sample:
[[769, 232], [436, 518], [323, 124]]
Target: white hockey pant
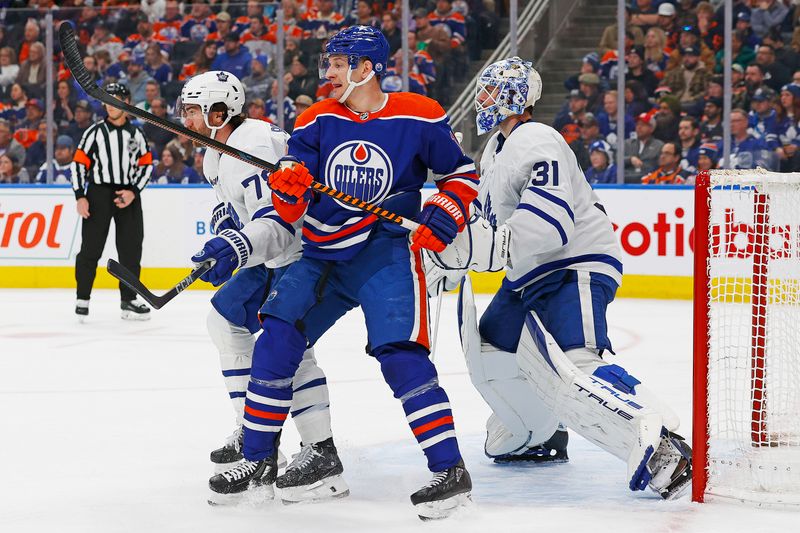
[[310, 403]]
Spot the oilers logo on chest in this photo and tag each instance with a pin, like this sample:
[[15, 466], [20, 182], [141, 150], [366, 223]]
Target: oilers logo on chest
[[361, 169]]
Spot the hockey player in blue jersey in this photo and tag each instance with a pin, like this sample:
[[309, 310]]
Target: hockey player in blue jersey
[[211, 104], [377, 147], [536, 356]]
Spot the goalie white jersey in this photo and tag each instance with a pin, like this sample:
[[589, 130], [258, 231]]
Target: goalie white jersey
[[531, 182], [248, 197]]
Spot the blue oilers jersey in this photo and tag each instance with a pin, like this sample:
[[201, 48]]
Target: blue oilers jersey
[[373, 157], [531, 182]]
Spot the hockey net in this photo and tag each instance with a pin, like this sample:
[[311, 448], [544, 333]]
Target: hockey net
[[746, 434]]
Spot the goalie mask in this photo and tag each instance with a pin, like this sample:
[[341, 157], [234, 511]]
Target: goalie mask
[[211, 88], [505, 88]]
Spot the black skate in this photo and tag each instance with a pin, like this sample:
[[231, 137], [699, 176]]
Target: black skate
[[230, 453], [447, 491], [670, 466], [253, 479], [82, 310], [315, 473], [134, 310], [553, 450]]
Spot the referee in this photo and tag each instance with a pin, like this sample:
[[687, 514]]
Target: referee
[[109, 170]]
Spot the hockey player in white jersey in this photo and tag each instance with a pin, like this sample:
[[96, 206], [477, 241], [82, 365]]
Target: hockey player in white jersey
[[537, 354], [250, 236]]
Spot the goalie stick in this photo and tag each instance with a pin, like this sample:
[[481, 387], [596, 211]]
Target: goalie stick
[[74, 61], [157, 302]]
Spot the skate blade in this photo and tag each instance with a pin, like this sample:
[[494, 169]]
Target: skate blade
[[252, 496], [324, 489], [442, 509], [224, 467], [130, 315], [532, 459]]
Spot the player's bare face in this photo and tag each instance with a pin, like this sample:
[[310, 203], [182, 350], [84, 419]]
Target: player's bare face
[[192, 118], [337, 74]]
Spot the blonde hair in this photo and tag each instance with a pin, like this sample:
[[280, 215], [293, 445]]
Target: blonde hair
[[657, 53]]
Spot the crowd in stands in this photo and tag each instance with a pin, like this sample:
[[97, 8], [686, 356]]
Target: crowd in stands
[[674, 92], [153, 46]]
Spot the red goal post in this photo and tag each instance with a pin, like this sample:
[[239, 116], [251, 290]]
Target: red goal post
[[746, 415]]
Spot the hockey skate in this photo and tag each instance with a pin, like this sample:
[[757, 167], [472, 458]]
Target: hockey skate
[[314, 474], [82, 310], [247, 481], [230, 453], [670, 466], [134, 310], [446, 492], [553, 450]]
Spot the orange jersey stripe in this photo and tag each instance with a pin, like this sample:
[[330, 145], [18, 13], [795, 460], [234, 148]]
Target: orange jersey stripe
[[339, 234], [433, 425], [265, 414], [422, 335], [81, 158], [398, 104], [146, 159]]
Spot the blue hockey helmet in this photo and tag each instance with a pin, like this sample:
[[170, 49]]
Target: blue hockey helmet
[[505, 88], [357, 42]]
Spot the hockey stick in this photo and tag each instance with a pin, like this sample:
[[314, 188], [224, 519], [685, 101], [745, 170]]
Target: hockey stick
[[157, 302], [74, 61]]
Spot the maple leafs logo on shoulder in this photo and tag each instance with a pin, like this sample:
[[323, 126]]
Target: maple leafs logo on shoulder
[[222, 76]]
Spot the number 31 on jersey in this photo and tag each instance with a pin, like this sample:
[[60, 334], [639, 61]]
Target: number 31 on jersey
[[543, 172]]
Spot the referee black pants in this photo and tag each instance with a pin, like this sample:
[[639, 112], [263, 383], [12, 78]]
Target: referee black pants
[[94, 232]]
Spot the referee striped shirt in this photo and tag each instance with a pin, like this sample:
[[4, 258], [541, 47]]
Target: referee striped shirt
[[111, 155]]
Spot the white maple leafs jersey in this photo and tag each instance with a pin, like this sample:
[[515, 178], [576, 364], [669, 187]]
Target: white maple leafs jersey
[[248, 197], [534, 185]]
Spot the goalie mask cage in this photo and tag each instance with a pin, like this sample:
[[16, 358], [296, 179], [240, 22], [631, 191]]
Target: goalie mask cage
[[746, 428]]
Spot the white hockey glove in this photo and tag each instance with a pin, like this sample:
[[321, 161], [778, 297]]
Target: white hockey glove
[[440, 279], [479, 247]]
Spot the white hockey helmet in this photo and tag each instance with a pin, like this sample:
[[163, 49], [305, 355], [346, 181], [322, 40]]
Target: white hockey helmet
[[214, 87], [505, 88]]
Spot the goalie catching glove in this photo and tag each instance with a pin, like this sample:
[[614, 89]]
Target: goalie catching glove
[[230, 250], [291, 188]]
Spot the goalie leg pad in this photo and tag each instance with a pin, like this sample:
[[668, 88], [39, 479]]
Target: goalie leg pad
[[520, 420]]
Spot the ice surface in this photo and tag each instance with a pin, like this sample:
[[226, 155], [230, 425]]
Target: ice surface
[[106, 427]]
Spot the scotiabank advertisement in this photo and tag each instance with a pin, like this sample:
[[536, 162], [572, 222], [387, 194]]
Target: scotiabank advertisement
[[40, 228]]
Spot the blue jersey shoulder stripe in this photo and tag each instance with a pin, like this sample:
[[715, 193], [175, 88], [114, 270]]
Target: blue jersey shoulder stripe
[[261, 212], [544, 216], [555, 199]]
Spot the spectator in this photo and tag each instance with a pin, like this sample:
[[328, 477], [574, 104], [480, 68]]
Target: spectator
[[667, 23], [636, 98], [364, 16], [642, 153], [27, 130], [638, 72], [11, 171], [168, 27], [302, 103], [669, 109], [391, 32], [30, 36], [136, 44], [62, 166], [768, 14], [689, 137], [8, 69], [299, 80], [742, 55], [32, 72], [602, 170], [185, 149], [199, 24], [788, 115], [445, 15], [608, 42], [749, 38], [711, 127], [762, 119], [754, 77], [63, 112], [36, 155], [172, 170], [113, 71], [256, 109], [689, 81], [690, 38], [589, 84], [747, 151], [323, 22], [234, 58], [9, 145], [203, 59], [137, 80], [153, 9], [253, 9], [776, 75], [84, 117], [258, 82], [224, 27], [710, 30], [567, 122], [740, 89], [644, 13], [152, 90], [590, 133], [156, 65], [158, 137], [256, 38], [15, 110], [271, 107], [669, 171], [103, 39], [655, 58], [436, 39], [589, 65], [707, 157], [783, 54], [607, 119]]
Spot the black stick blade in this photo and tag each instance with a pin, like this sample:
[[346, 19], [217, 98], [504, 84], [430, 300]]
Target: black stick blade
[[72, 57]]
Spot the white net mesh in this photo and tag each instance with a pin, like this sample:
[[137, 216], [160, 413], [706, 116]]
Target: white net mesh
[[754, 331]]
